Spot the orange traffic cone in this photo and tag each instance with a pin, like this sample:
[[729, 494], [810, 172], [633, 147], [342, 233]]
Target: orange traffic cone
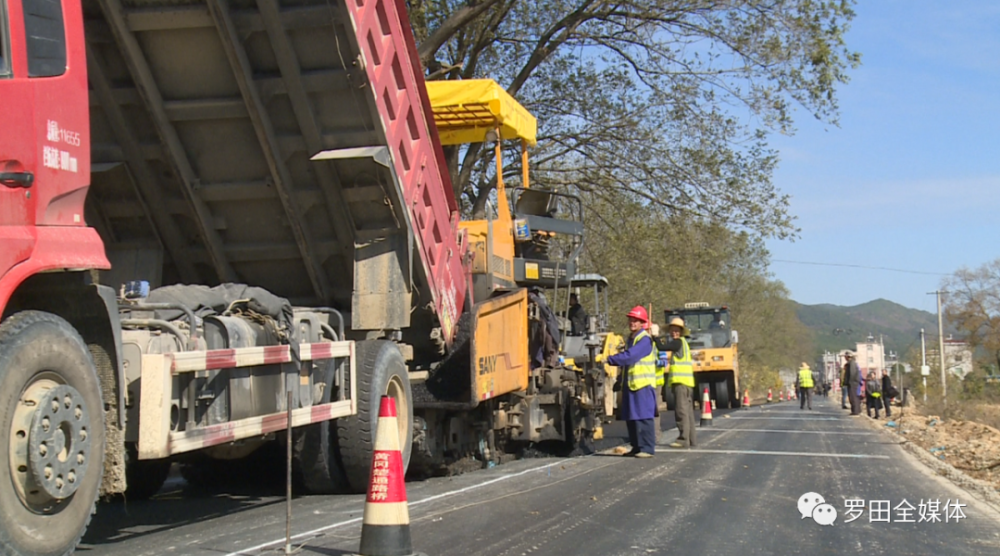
[[781, 395], [706, 410], [746, 399], [385, 528], [769, 399]]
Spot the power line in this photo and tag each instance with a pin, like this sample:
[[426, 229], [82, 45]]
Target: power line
[[844, 265]]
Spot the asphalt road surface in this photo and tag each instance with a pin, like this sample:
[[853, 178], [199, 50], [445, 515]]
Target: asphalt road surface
[[737, 493]]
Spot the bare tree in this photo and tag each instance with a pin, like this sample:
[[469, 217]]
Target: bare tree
[[973, 305], [667, 101]]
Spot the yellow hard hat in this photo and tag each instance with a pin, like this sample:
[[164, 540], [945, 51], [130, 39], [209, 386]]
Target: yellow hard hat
[[679, 322]]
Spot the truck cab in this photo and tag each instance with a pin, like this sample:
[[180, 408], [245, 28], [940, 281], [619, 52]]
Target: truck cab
[[45, 143], [714, 351]]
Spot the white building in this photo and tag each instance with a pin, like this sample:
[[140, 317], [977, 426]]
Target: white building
[[957, 358], [871, 356]]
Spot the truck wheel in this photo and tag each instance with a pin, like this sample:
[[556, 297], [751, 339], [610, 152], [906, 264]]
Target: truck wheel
[[722, 394], [143, 478], [315, 451], [53, 428], [380, 370], [579, 441], [737, 400]]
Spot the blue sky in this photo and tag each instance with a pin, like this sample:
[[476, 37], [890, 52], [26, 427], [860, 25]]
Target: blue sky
[[911, 178]]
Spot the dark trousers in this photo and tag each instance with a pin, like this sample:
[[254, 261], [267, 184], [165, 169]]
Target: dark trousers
[[684, 415], [642, 435], [855, 398], [805, 397], [874, 403], [885, 404]]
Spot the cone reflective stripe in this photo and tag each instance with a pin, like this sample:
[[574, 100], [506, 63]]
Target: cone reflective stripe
[[769, 399], [706, 410], [385, 529], [746, 399]]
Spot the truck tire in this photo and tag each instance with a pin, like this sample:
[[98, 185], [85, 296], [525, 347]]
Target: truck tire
[[143, 478], [53, 425], [315, 450], [737, 400], [722, 394], [380, 370], [579, 441]]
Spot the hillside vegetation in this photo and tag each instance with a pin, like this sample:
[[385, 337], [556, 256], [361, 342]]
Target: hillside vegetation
[[835, 327]]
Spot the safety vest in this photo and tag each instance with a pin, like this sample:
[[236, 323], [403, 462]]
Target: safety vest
[[643, 373], [805, 378], [681, 368]]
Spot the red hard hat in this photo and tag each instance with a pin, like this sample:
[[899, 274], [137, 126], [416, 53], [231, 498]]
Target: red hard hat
[[639, 312]]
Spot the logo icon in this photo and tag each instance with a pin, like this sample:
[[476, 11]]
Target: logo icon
[[813, 505], [824, 514]]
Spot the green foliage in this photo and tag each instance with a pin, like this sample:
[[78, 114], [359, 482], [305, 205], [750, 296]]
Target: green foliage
[[836, 328], [669, 102], [663, 262]]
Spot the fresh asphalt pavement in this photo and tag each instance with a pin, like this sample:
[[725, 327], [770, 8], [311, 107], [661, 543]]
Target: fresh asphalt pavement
[[737, 493]]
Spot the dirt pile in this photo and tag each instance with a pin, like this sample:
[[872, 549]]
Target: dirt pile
[[969, 446]]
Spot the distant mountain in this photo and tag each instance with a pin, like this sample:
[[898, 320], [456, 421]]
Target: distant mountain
[[836, 327]]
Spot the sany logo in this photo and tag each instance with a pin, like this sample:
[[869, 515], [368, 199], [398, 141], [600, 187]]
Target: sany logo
[[813, 505], [487, 364]]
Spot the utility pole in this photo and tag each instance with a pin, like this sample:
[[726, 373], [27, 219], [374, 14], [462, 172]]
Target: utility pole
[[944, 383], [881, 349], [923, 362]]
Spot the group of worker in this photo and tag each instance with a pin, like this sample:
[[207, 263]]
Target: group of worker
[[644, 373], [876, 391]]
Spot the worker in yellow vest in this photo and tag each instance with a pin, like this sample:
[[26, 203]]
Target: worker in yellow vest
[[804, 384], [637, 382], [680, 379]]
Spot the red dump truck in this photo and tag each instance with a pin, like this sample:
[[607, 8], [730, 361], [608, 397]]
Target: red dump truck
[[209, 207]]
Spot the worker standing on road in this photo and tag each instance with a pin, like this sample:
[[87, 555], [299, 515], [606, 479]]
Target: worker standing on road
[[638, 364], [681, 381], [887, 392], [853, 375], [845, 382], [804, 383], [873, 393]]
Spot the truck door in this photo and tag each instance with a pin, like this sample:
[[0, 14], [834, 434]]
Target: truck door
[[44, 145], [17, 141]]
